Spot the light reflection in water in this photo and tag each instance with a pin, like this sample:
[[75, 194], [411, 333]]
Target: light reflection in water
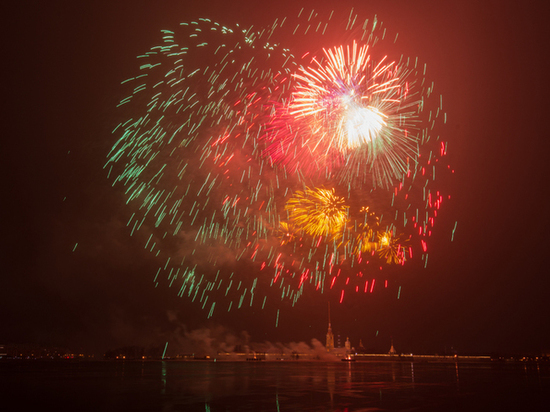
[[163, 377], [331, 381], [278, 386], [457, 378], [295, 385]]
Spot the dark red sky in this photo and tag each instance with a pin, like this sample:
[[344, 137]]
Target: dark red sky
[[485, 291]]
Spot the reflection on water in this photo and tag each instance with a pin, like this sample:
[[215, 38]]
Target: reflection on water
[[275, 386]]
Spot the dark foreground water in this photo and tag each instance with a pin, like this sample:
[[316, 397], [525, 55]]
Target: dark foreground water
[[272, 386]]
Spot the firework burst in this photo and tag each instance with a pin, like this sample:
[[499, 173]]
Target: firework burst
[[318, 212], [352, 116], [389, 248], [229, 143]]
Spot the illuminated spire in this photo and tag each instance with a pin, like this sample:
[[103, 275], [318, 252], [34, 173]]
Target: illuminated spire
[[330, 335], [392, 349]]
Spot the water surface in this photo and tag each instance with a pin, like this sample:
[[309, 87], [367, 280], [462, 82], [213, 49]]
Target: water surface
[[273, 386]]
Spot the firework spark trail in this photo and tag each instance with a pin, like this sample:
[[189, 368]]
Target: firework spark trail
[[218, 159]]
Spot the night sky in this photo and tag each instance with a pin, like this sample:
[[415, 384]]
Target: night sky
[[486, 291]]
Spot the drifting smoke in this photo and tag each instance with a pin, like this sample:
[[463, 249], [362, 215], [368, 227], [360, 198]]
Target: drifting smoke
[[218, 339]]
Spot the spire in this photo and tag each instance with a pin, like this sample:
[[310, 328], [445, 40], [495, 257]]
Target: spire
[[330, 335], [392, 349]]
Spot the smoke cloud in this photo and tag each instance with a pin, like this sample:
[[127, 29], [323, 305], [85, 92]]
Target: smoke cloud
[[218, 340]]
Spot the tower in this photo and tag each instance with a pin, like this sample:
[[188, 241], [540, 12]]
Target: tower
[[392, 349], [330, 335]]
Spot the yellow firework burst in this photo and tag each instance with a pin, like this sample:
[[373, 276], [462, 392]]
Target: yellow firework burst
[[287, 233], [318, 212], [389, 248], [365, 241]]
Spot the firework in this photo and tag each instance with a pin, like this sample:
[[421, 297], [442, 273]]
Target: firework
[[318, 212], [365, 239], [230, 140], [389, 248], [355, 119], [287, 233]]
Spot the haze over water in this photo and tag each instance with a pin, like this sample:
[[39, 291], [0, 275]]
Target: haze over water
[[274, 386]]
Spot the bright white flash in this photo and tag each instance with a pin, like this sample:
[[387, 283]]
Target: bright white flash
[[363, 124]]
